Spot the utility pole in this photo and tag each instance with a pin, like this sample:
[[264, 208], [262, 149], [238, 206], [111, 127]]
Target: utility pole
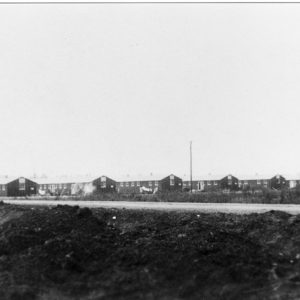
[[191, 168]]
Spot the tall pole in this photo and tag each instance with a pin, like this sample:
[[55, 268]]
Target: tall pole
[[191, 168]]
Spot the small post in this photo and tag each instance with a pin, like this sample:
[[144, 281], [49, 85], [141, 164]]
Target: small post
[[191, 168]]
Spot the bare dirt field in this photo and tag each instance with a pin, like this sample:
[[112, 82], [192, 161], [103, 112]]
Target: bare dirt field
[[64, 252]]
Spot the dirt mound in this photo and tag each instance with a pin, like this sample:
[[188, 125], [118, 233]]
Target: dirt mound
[[36, 227], [75, 253], [49, 246]]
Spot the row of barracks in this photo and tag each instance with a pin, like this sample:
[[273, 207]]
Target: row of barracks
[[21, 187], [233, 183]]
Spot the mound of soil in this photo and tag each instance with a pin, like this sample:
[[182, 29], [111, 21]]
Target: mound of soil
[[72, 253]]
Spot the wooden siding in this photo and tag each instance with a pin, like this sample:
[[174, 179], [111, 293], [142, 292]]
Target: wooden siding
[[134, 187], [17, 189], [166, 184], [229, 182], [3, 190], [56, 188], [104, 184], [171, 183], [278, 182], [254, 184]]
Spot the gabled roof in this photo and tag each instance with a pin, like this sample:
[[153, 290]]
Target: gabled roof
[[268, 176], [232, 175], [205, 177], [288, 176], [292, 176], [7, 179], [65, 179], [99, 177], [255, 176], [143, 177]]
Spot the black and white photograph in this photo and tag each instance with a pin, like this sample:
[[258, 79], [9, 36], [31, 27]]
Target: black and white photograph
[[149, 150]]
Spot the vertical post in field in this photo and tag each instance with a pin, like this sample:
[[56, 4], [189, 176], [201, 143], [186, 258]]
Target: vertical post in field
[[191, 168]]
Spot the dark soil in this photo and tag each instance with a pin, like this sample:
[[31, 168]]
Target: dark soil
[[71, 253]]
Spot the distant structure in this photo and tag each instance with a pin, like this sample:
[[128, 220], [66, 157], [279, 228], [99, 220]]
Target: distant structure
[[104, 184], [150, 184], [65, 186], [229, 182], [21, 187], [233, 183]]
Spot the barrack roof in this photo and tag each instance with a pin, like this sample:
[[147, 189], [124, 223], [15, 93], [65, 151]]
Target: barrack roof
[[143, 177], [205, 177], [255, 176], [65, 179], [7, 179]]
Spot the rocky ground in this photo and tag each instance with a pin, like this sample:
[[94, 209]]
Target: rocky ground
[[68, 252]]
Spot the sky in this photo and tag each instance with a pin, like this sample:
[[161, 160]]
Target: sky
[[122, 89]]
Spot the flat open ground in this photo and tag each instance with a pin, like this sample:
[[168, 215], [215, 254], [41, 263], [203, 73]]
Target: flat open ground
[[239, 208]]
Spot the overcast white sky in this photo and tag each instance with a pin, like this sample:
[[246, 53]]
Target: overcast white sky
[[122, 89]]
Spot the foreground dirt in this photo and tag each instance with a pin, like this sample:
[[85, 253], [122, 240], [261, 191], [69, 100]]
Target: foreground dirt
[[68, 252]]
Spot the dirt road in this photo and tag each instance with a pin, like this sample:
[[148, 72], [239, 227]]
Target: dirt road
[[238, 208]]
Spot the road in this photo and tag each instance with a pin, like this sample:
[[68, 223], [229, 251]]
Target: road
[[238, 208]]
